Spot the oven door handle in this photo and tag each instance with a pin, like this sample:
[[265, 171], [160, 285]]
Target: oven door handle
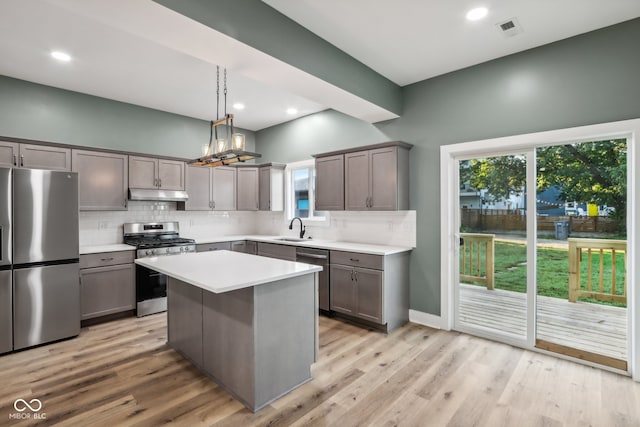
[[314, 256]]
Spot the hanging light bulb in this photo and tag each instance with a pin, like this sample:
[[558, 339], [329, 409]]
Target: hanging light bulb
[[221, 145], [237, 142]]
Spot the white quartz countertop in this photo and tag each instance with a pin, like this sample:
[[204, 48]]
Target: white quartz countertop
[[224, 271], [364, 248], [95, 249]]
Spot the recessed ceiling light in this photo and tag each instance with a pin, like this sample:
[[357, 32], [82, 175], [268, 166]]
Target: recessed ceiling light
[[477, 13], [238, 106], [61, 56], [292, 111]]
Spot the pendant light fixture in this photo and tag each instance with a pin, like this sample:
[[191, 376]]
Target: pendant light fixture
[[223, 149]]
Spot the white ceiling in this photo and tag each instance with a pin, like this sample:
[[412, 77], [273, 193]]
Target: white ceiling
[[411, 40], [139, 52]]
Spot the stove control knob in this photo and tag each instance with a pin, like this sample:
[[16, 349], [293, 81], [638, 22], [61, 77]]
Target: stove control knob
[[182, 249], [148, 252], [155, 251]]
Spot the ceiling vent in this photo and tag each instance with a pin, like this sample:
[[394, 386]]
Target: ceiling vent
[[509, 28]]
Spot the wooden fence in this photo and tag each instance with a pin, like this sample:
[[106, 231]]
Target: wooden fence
[[477, 258], [513, 220], [581, 282]]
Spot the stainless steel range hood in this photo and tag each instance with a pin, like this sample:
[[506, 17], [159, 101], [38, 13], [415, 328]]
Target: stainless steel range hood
[[158, 195]]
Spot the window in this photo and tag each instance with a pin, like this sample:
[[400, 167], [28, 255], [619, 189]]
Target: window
[[301, 183]]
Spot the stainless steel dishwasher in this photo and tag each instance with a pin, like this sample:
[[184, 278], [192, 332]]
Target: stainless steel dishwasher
[[318, 257]]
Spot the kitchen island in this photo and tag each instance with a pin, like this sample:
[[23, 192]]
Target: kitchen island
[[248, 322]]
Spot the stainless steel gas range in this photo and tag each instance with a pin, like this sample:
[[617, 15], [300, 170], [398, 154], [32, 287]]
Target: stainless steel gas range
[[154, 239]]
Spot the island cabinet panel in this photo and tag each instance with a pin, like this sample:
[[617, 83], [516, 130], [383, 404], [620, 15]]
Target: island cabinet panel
[[257, 342], [184, 307], [102, 180], [107, 284], [330, 183], [247, 188], [218, 246], [272, 250], [371, 288]]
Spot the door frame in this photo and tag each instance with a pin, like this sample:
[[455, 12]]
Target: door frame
[[449, 217]]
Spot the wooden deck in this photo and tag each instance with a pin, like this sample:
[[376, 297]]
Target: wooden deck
[[594, 328]]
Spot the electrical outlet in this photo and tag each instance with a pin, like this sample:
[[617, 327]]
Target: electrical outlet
[[102, 226]]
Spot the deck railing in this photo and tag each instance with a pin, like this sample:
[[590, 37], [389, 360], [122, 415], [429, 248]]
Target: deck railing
[[583, 250], [476, 258]]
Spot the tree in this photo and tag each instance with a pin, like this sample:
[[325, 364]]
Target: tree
[[588, 172]]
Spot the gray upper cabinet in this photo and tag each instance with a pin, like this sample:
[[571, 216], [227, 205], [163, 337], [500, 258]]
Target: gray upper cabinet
[[171, 174], [9, 152], [272, 187], [210, 188], [102, 180], [223, 188], [375, 177], [247, 189], [33, 156], [357, 181], [198, 183], [152, 173], [330, 183]]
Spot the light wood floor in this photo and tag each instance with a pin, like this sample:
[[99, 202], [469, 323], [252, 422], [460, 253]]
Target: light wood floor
[[595, 328], [122, 373]]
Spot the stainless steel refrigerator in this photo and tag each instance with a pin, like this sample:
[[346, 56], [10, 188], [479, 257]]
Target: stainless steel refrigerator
[[39, 268]]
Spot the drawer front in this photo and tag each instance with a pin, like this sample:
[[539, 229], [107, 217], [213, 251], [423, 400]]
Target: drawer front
[[220, 246], [103, 259], [358, 260], [271, 250]]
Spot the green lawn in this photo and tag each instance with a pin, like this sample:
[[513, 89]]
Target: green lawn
[[552, 271]]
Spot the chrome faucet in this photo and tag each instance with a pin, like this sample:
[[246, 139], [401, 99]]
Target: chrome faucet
[[302, 227]]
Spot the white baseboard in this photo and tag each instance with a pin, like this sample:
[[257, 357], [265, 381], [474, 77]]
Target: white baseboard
[[425, 319]]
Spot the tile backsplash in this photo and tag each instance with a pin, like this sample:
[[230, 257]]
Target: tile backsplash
[[385, 228]]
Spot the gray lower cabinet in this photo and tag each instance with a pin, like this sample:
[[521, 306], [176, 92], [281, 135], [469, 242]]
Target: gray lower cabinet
[[33, 156], [246, 246], [247, 189], [107, 284], [218, 246], [373, 288], [272, 250], [102, 180]]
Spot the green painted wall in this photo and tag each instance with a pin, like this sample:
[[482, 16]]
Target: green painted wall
[[258, 25], [592, 78], [44, 113]]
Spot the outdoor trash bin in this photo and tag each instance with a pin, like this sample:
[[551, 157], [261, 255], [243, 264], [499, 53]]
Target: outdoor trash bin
[[562, 230]]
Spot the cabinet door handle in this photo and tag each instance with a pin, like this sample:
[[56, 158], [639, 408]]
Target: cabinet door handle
[[356, 275], [21, 160], [213, 204], [370, 202], [354, 259], [159, 182], [352, 275], [15, 160], [106, 259]]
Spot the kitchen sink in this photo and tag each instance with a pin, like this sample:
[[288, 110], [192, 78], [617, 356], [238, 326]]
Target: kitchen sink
[[291, 239]]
